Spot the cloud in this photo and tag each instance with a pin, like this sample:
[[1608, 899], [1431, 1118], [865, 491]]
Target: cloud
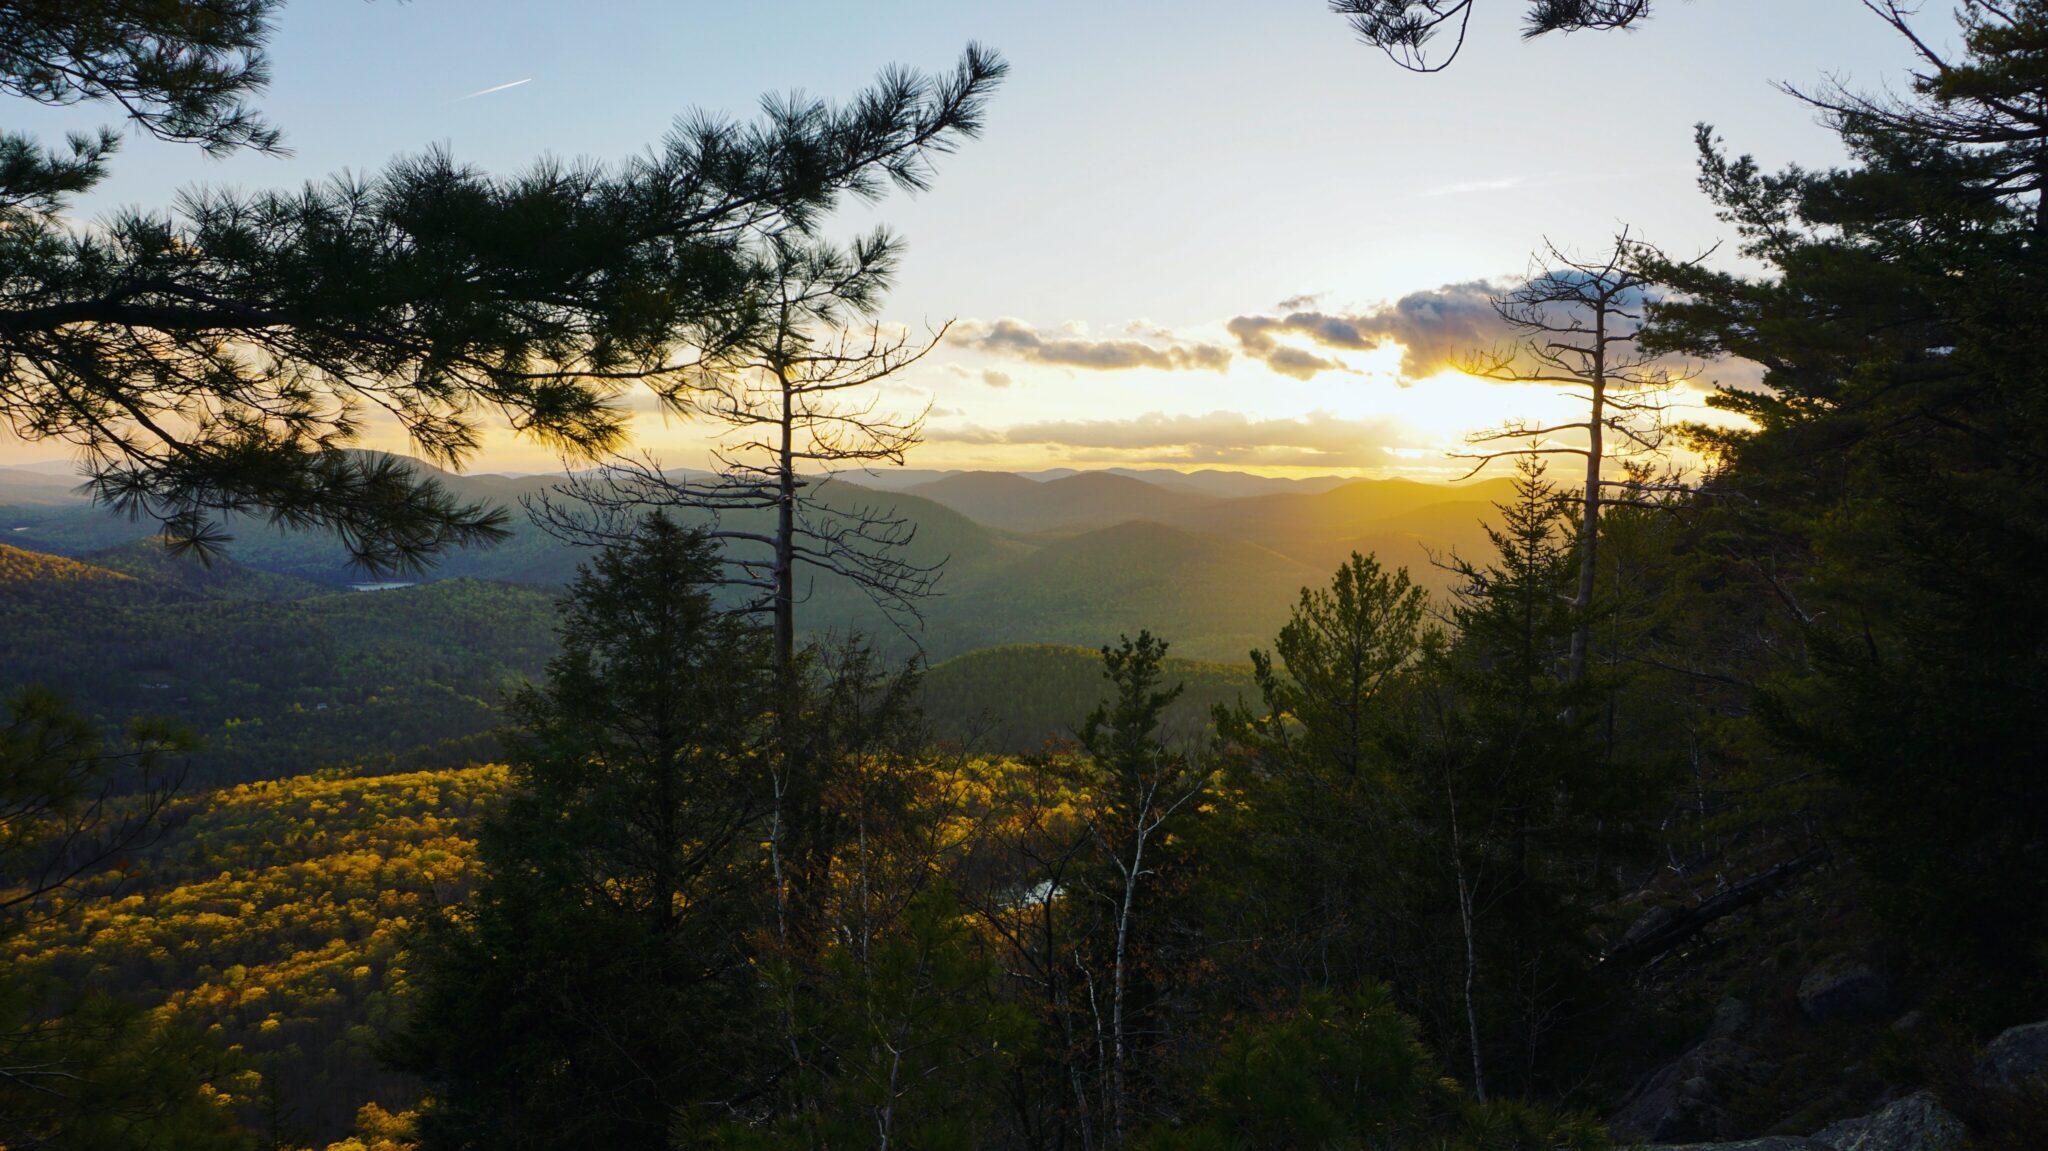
[[1300, 303], [1019, 340], [1435, 328], [996, 379], [1318, 439], [1301, 364]]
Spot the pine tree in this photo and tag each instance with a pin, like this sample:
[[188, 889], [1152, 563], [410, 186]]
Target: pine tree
[[597, 983], [1888, 487], [1502, 783], [1147, 786], [1408, 30], [1337, 653], [218, 358]]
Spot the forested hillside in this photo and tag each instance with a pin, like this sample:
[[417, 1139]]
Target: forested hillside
[[1674, 780], [1024, 698], [1077, 558], [276, 675], [271, 921]]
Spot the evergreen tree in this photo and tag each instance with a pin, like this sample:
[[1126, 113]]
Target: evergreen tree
[[1318, 853], [1888, 488], [1339, 651], [597, 985], [218, 357], [1147, 786], [1502, 782], [1409, 30]]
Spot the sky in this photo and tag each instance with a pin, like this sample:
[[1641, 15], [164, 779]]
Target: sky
[[1197, 234]]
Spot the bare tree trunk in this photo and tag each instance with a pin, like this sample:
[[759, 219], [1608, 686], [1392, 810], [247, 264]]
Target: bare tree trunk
[[1589, 523], [1576, 324], [785, 536], [1117, 976], [777, 836], [885, 1121], [1102, 1062], [1465, 920]]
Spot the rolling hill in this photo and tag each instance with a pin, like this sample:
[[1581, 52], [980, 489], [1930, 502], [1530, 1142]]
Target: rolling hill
[[1075, 559], [1090, 499], [147, 560], [1021, 698], [277, 682], [21, 570], [1212, 596]]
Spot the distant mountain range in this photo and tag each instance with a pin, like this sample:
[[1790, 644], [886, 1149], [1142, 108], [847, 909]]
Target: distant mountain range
[[1211, 560], [283, 668], [1205, 481]]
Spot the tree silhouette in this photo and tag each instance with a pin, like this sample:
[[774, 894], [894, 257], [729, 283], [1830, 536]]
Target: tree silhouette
[[1405, 29], [595, 981], [798, 393], [1578, 321], [218, 358]]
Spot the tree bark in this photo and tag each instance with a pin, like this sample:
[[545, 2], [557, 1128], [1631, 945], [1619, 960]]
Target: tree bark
[[1589, 522]]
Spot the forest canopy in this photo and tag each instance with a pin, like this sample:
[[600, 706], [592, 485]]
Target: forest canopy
[[1652, 805]]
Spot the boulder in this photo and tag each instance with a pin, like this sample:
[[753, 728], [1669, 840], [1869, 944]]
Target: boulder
[[1916, 1123], [2017, 1055], [1854, 992], [1731, 1018], [1686, 1099]]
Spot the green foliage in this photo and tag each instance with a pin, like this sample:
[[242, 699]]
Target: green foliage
[[594, 982], [272, 685], [69, 804], [1019, 698], [915, 1040], [217, 358], [1889, 481], [1348, 1071], [1333, 1068], [86, 1070], [1340, 648], [1122, 733], [78, 1067]]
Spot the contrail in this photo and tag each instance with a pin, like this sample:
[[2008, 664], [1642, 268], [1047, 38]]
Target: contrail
[[499, 88]]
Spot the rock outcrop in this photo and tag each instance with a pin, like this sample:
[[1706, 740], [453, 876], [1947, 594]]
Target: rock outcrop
[[1854, 992], [1679, 1102], [2017, 1055], [1916, 1123], [1686, 1099]]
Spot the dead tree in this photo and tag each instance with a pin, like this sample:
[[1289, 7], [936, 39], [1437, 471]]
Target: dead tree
[[1404, 29], [1577, 323], [799, 399]]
